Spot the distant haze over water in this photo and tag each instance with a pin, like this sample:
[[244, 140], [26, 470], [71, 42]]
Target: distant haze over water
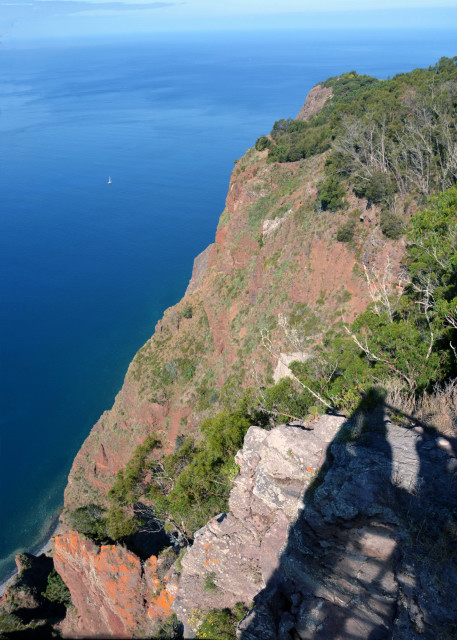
[[87, 268]]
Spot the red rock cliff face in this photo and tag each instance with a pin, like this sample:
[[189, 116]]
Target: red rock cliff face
[[113, 592], [274, 255]]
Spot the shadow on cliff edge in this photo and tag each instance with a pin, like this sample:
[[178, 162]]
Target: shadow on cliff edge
[[372, 553]]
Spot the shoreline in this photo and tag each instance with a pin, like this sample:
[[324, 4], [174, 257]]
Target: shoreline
[[44, 546]]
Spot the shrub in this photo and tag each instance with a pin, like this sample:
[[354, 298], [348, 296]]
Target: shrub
[[120, 524], [392, 225], [262, 143], [171, 629], [90, 521], [199, 476], [187, 311], [209, 584], [331, 194], [57, 590], [12, 624], [127, 486], [221, 624], [345, 232], [285, 400], [377, 188]]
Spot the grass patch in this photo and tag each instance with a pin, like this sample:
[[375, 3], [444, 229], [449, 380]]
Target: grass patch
[[209, 585]]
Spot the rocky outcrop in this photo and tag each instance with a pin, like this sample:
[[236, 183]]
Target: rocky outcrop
[[25, 589], [344, 531], [235, 555], [198, 271], [27, 609], [372, 552], [315, 100], [113, 592]]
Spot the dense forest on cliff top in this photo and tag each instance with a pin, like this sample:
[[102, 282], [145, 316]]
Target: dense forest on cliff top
[[391, 144], [388, 137]]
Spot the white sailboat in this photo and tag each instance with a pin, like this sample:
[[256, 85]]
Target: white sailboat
[[109, 180]]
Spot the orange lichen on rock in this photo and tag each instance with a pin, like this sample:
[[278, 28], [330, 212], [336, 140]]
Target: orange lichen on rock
[[150, 569], [162, 594], [160, 606], [111, 590]]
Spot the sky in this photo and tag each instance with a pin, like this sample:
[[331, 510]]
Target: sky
[[72, 18]]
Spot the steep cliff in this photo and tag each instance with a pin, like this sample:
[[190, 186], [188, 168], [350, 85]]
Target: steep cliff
[[336, 527], [274, 254], [315, 100]]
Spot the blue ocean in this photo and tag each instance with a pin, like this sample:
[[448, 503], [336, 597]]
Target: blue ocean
[[87, 268]]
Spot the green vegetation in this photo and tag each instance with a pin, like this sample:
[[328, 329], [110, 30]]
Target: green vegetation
[[284, 401], [126, 490], [187, 311], [12, 624], [209, 584], [57, 590], [171, 629], [331, 194], [118, 522], [90, 521], [262, 143], [392, 225], [221, 624], [386, 137], [377, 187], [345, 233], [193, 484], [407, 334]]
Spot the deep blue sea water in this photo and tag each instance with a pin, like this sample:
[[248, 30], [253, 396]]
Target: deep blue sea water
[[86, 269]]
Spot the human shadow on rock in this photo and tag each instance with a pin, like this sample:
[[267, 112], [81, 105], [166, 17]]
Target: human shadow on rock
[[372, 553]]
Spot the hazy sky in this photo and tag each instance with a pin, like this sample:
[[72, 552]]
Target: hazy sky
[[42, 18]]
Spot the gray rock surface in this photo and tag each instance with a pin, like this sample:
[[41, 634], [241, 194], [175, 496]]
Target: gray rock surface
[[199, 269], [372, 554], [315, 100], [345, 531], [241, 550]]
